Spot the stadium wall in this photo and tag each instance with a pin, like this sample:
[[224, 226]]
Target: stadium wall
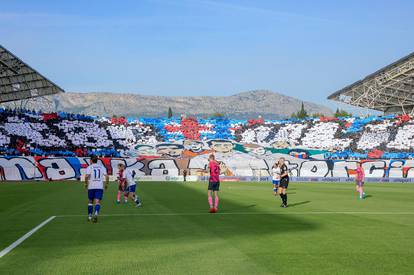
[[234, 168]]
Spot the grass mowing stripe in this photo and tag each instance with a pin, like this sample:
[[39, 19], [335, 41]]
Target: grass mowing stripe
[[245, 213], [325, 230], [24, 237]]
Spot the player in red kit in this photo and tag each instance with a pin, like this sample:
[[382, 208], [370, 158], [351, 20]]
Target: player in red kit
[[214, 183], [121, 185]]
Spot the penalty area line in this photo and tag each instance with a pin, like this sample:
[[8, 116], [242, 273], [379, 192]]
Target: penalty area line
[[24, 237], [245, 213]]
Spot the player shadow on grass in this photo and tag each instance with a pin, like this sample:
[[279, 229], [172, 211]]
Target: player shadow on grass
[[298, 203], [232, 219], [368, 196], [177, 211], [250, 206]]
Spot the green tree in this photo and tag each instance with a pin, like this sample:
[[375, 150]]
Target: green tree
[[342, 113], [217, 114], [170, 113], [301, 114], [315, 115]]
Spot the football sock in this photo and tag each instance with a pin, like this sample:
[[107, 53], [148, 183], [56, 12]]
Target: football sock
[[281, 197], [210, 201], [285, 199], [136, 199], [360, 192], [118, 197], [275, 190], [97, 208], [90, 209], [216, 202], [125, 198]]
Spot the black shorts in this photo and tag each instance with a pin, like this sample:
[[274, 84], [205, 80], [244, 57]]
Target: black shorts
[[284, 182], [214, 186]]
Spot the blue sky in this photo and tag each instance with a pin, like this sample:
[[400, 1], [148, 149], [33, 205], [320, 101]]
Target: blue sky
[[305, 49]]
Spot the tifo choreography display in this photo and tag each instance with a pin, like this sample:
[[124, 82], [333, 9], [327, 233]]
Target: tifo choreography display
[[57, 146], [199, 137], [62, 134]]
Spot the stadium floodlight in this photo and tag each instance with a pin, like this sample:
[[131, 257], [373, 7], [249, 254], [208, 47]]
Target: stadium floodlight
[[18, 81], [390, 89]]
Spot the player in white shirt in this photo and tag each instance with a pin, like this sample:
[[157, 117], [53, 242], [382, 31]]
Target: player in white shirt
[[275, 177], [131, 185], [94, 182]]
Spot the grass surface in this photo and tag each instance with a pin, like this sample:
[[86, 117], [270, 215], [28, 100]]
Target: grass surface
[[326, 230]]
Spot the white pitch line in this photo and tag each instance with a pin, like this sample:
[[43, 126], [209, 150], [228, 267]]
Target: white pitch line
[[245, 213], [24, 237]]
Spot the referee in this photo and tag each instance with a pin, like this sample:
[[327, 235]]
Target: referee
[[284, 181]]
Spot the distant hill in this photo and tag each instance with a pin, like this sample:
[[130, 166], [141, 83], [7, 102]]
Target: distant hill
[[250, 104]]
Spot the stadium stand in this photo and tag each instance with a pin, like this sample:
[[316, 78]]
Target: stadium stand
[[389, 90], [27, 132], [18, 81]]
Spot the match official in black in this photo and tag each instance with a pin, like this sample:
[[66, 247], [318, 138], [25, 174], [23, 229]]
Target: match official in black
[[284, 181]]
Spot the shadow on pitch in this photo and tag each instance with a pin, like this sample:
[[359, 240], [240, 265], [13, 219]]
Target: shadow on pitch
[[298, 203], [250, 206], [176, 211], [174, 217]]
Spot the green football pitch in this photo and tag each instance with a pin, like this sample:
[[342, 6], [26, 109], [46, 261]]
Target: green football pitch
[[325, 230]]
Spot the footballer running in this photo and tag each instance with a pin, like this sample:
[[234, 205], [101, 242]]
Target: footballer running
[[130, 185], [121, 185], [94, 182]]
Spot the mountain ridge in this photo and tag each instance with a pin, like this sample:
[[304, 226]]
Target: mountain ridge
[[270, 105]]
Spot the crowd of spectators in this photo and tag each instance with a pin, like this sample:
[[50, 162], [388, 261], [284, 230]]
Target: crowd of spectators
[[388, 136], [25, 132]]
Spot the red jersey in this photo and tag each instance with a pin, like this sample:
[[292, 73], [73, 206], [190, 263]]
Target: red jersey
[[214, 171], [121, 179]]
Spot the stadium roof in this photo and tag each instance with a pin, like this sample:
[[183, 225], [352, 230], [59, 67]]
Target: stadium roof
[[390, 89], [19, 81]]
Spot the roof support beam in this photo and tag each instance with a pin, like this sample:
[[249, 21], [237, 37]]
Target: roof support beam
[[19, 81], [388, 88]]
